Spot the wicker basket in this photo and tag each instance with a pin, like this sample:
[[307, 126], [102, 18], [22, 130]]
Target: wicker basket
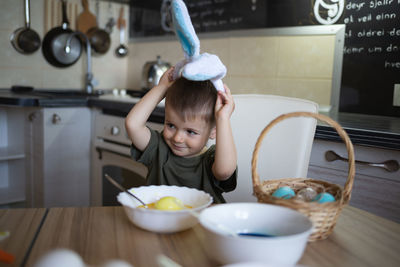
[[323, 216]]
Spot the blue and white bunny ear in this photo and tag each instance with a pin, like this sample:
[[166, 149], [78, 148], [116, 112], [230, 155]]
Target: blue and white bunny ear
[[184, 29]]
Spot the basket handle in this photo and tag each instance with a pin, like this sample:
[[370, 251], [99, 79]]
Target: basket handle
[[350, 150]]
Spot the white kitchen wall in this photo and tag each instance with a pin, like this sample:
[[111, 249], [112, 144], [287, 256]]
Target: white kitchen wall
[[34, 70], [297, 66]]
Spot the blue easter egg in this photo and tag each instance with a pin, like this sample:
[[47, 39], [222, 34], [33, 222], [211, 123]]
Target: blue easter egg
[[324, 197], [284, 192]]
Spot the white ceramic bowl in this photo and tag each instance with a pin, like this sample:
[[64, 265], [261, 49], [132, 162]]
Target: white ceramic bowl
[[290, 229], [164, 221]]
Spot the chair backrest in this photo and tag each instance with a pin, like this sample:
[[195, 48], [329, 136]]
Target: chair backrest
[[285, 150]]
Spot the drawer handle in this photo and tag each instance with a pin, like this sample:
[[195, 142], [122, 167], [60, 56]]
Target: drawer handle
[[389, 165], [56, 119]]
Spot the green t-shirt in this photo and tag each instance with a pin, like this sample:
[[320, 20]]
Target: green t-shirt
[[165, 168]]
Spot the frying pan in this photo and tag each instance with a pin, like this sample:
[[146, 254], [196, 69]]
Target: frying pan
[[99, 38], [25, 40], [54, 42]]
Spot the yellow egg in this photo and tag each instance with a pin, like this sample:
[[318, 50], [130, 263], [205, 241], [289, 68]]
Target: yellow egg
[[169, 203]]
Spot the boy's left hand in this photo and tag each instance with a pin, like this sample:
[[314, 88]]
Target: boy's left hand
[[166, 79], [225, 105]]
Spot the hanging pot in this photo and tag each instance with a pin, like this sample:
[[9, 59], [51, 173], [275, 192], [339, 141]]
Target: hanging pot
[[100, 40], [25, 40], [55, 41]]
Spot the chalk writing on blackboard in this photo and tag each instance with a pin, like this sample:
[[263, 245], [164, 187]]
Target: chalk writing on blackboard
[[372, 27], [371, 57], [206, 16]]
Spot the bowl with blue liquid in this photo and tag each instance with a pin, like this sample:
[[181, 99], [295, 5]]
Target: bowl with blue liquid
[[254, 232]]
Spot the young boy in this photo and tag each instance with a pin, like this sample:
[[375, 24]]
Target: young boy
[[194, 113]]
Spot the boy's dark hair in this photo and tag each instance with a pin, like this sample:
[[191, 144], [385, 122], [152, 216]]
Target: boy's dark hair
[[192, 98]]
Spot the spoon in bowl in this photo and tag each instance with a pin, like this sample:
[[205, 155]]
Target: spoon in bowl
[[195, 214], [120, 187]]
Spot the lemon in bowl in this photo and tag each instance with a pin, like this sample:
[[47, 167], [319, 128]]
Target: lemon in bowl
[[169, 203], [170, 207]]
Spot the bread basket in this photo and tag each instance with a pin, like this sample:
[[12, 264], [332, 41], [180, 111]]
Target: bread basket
[[323, 215]]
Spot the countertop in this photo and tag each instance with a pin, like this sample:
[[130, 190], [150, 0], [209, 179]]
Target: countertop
[[366, 130], [99, 234]]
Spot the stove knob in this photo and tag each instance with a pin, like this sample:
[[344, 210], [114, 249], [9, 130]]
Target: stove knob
[[114, 130]]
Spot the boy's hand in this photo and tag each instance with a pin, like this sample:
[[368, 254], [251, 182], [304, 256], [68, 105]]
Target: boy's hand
[[225, 105], [166, 79]]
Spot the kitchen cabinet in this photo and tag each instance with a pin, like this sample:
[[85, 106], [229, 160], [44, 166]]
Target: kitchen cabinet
[[59, 156], [12, 156], [375, 189]]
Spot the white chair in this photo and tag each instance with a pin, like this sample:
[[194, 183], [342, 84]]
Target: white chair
[[286, 149]]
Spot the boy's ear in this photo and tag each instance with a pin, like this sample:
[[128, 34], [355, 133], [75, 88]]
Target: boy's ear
[[213, 132]]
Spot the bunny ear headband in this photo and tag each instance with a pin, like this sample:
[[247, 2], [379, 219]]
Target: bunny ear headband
[[195, 66]]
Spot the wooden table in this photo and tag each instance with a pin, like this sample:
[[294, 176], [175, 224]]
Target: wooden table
[[102, 233], [23, 226]]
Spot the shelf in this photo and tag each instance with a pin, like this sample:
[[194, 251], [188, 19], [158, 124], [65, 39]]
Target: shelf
[[11, 195], [11, 153]]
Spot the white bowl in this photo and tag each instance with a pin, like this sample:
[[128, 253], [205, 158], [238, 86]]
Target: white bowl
[[290, 229], [164, 221]]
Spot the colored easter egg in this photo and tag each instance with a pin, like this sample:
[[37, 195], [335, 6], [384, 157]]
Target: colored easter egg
[[306, 194], [324, 197], [284, 192]]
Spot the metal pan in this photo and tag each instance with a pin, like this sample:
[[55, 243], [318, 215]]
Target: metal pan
[[54, 42], [99, 38], [25, 40]]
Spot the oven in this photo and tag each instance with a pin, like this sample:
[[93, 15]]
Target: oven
[[111, 155]]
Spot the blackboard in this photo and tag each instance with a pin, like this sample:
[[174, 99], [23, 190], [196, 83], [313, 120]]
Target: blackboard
[[371, 60], [371, 56], [206, 16]]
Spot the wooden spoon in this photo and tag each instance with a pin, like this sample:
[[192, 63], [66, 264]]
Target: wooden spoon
[[86, 20]]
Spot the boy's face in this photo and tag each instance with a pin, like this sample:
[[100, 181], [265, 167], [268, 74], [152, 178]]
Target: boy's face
[[186, 138]]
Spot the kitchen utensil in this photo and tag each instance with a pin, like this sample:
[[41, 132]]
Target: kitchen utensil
[[164, 221], [120, 187], [99, 39], [60, 52], [86, 20], [25, 40], [121, 50], [54, 42], [152, 72], [111, 21], [290, 230]]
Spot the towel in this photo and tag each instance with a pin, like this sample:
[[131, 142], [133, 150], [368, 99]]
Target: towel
[[195, 66]]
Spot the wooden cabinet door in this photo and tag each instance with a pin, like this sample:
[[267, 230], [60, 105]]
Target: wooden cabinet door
[[375, 189]]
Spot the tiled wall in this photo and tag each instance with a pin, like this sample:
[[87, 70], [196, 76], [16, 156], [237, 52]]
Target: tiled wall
[[34, 70], [296, 66]]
